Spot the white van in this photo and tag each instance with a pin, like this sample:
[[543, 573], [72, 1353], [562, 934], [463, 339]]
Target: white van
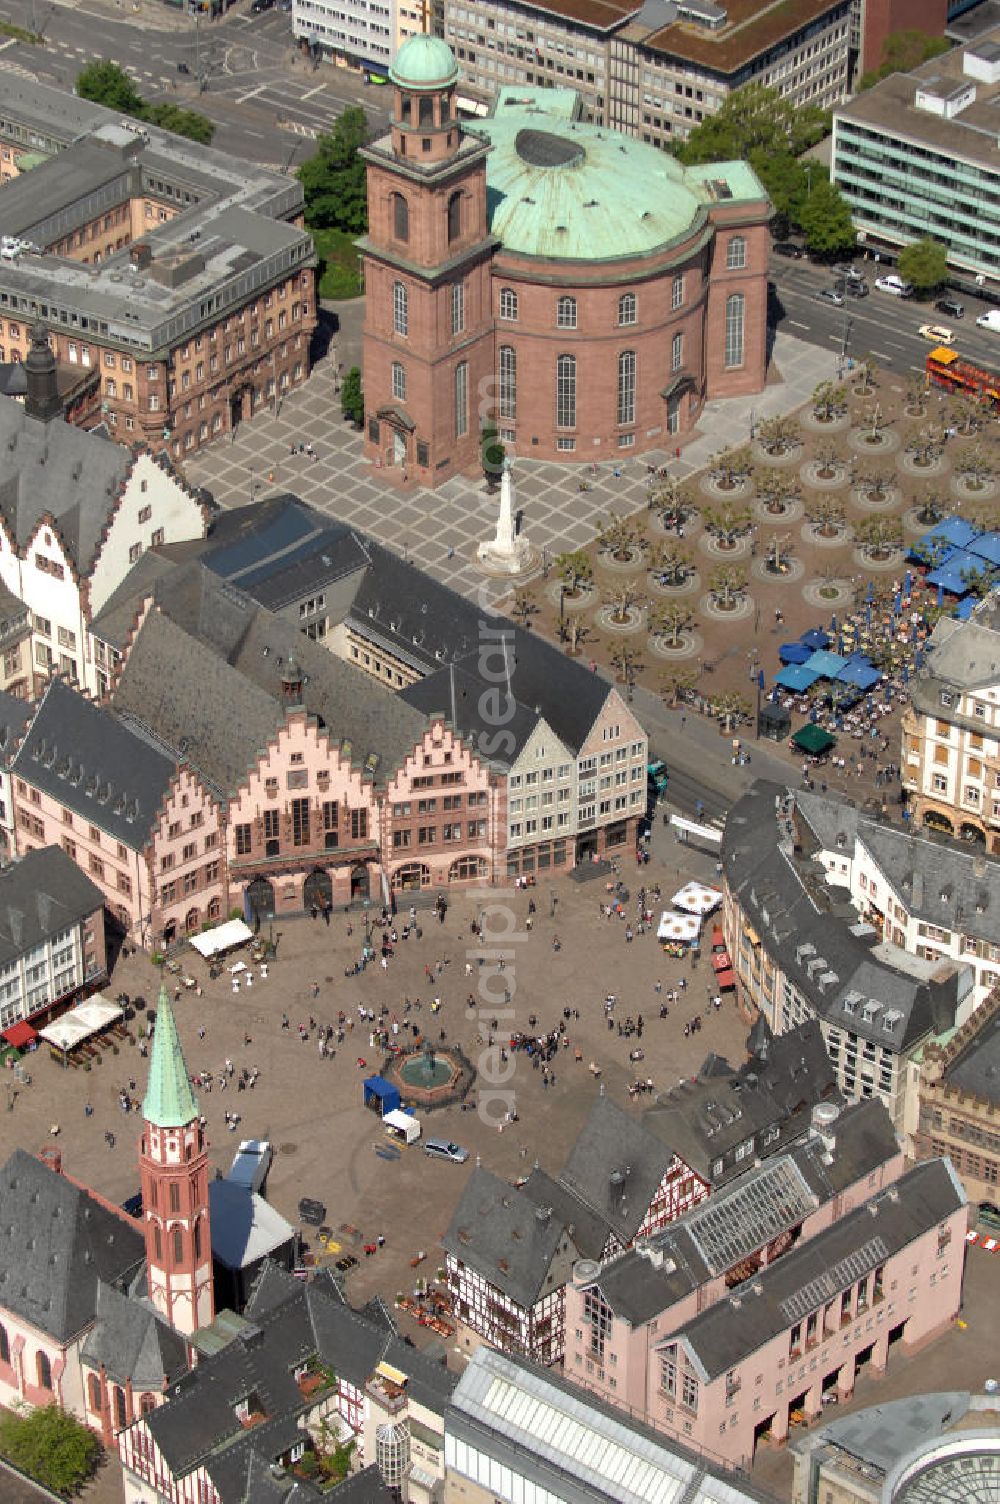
[[895, 285], [989, 320]]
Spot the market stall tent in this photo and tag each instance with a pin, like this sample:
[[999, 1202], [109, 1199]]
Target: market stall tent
[[813, 740], [684, 927], [381, 1095], [80, 1023], [222, 938], [402, 1125]]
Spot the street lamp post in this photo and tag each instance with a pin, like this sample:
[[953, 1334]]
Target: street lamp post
[[562, 613], [366, 905]]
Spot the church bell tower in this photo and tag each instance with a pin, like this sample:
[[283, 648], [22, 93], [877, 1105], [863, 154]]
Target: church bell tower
[[173, 1168], [428, 335]]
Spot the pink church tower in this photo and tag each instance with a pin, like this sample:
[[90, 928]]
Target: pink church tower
[[173, 1166]]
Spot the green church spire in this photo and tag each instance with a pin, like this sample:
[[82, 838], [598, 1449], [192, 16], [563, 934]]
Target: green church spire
[[169, 1101]]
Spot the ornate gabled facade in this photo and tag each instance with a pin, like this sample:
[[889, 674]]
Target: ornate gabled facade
[[441, 816]]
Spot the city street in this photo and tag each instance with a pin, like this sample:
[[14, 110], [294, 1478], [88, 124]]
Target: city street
[[880, 325], [267, 101]]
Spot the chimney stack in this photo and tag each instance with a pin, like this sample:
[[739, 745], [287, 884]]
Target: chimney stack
[[42, 400]]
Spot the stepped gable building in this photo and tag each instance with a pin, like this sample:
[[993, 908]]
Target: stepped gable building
[[51, 939], [139, 821], [587, 288], [180, 274], [956, 1110], [802, 953], [76, 512]]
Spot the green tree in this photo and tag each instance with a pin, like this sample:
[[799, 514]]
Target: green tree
[[182, 122], [754, 118], [352, 402], [575, 570], [779, 434], [492, 453], [786, 181], [903, 51], [105, 83], [671, 563], [50, 1446], [620, 538], [924, 263], [825, 219], [878, 536], [670, 619], [728, 585], [333, 179], [727, 521]]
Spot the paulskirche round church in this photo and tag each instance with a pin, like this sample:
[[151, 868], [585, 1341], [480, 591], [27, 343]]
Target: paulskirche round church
[[574, 288]]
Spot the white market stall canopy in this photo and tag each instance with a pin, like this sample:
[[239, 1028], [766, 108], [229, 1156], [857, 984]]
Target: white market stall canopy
[[696, 898], [80, 1023], [403, 1124], [223, 937], [686, 927]]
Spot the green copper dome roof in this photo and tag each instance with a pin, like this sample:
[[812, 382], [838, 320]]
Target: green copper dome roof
[[424, 63], [169, 1101], [561, 189]]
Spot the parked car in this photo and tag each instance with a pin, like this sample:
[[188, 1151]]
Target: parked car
[[953, 309], [832, 296], [853, 289], [849, 273], [259, 6], [788, 248], [938, 333], [441, 1148], [894, 285]]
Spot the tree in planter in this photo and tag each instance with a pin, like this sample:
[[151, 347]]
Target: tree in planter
[[966, 413], [829, 459], [728, 585], [51, 1446], [774, 489], [671, 563], [673, 500], [727, 521], [931, 506], [677, 683], [923, 442], [575, 633], [730, 709], [874, 483], [826, 513], [352, 402], [981, 581], [916, 394], [575, 570], [524, 608], [670, 620], [627, 664], [985, 519], [977, 466], [779, 435], [731, 466], [622, 600], [924, 263], [779, 553], [620, 538], [829, 402], [864, 375], [879, 536]]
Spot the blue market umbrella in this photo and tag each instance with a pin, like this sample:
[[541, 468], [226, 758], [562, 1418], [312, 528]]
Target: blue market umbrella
[[908, 582], [906, 674], [868, 616], [760, 679], [833, 623], [897, 604], [840, 645], [940, 596], [871, 592], [918, 658]]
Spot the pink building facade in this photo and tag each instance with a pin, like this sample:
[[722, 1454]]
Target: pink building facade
[[442, 817], [835, 1291]]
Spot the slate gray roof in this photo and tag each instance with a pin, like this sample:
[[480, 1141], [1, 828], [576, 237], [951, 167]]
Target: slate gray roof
[[884, 1434], [199, 1423], [615, 1166], [815, 932], [40, 894], [587, 1228], [191, 698], [58, 470], [116, 619], [133, 1343], [501, 1234], [91, 762], [12, 610], [640, 1286], [940, 881], [457, 694], [244, 1227], [814, 1272], [57, 1244], [14, 717], [976, 1068]]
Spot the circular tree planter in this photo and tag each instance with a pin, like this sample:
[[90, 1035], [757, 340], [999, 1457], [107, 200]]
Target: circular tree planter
[[828, 594], [716, 548], [867, 501], [811, 473], [742, 607], [836, 424], [627, 563], [866, 441], [969, 490], [685, 587], [583, 598], [690, 525], [791, 511], [936, 465], [688, 644], [813, 534], [789, 456], [794, 570], [885, 559], [632, 621], [740, 490]]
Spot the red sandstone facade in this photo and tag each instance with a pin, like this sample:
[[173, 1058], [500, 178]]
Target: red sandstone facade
[[451, 314]]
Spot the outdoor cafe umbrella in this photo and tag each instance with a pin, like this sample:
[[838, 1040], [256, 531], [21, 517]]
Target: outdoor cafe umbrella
[[794, 652], [686, 927], [697, 898], [814, 639], [813, 740]]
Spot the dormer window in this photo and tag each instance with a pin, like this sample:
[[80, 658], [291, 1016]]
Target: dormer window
[[947, 698]]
